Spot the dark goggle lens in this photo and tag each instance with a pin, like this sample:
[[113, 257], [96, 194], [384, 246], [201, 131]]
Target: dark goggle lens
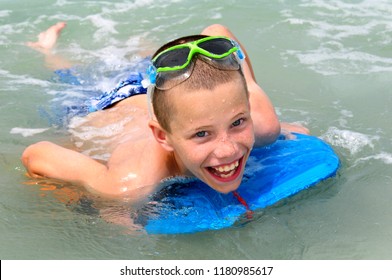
[[173, 58], [216, 46], [179, 57]]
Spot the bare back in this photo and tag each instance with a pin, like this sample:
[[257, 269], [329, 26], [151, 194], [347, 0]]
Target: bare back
[[120, 135], [99, 133]]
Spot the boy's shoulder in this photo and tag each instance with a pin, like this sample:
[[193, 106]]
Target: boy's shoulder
[[139, 163]]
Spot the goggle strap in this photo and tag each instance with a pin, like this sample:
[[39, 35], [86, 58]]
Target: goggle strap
[[150, 92], [241, 55]]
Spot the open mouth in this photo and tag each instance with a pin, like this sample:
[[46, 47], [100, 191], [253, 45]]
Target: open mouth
[[227, 172]]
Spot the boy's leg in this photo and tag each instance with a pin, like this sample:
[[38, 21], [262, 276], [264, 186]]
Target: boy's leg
[[48, 38], [45, 44]]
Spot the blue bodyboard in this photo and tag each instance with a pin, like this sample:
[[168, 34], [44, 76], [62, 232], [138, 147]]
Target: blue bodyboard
[[272, 173]]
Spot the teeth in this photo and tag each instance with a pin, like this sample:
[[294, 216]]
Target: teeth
[[227, 175], [227, 168]]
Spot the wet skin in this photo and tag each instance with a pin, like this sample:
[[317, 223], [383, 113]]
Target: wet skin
[[213, 139]]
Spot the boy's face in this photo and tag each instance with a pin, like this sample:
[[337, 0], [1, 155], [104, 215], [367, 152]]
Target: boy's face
[[212, 134]]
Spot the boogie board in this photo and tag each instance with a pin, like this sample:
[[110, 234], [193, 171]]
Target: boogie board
[[272, 173]]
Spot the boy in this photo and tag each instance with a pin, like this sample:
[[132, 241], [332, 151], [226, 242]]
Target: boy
[[208, 113]]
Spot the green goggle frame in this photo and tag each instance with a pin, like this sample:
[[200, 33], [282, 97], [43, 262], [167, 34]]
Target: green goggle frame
[[180, 56]]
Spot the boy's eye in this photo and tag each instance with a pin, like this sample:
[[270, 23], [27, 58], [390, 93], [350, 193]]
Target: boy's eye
[[201, 134], [237, 122]]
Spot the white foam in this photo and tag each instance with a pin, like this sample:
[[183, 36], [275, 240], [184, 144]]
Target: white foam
[[105, 27], [112, 55], [127, 6], [366, 8], [353, 141], [5, 13], [24, 80], [61, 3], [347, 113], [7, 29], [383, 156], [14, 81], [26, 132], [328, 61], [216, 16], [338, 25]]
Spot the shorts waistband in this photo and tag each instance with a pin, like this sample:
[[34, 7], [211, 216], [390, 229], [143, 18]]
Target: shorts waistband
[[129, 87]]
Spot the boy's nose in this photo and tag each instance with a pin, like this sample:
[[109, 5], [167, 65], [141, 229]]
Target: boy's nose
[[225, 148]]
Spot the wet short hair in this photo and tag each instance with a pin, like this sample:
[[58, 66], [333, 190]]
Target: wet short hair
[[204, 77]]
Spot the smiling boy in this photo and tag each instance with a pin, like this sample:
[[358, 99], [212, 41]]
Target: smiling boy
[[212, 138], [208, 113]]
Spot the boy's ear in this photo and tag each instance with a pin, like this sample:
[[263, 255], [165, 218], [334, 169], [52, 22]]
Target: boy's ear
[[160, 135]]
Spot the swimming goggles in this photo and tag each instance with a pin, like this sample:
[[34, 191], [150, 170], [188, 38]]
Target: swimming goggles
[[175, 64]]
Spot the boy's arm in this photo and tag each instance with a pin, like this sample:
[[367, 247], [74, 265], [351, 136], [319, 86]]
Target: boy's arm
[[50, 160], [265, 121]]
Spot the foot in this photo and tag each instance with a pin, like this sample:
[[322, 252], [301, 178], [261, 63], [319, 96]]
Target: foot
[[47, 39]]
